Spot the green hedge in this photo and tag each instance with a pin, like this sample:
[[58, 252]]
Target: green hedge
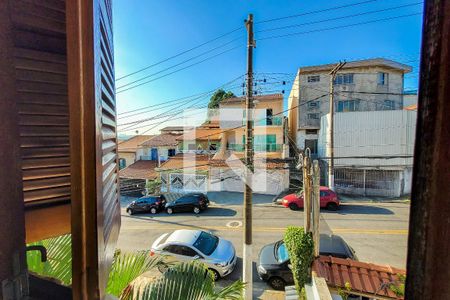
[[300, 247]]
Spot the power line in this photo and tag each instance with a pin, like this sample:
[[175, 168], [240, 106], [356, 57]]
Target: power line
[[182, 98], [178, 70], [316, 11], [280, 113], [178, 64], [339, 27], [179, 54], [339, 18]]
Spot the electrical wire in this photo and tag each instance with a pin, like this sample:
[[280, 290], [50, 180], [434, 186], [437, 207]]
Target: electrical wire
[[316, 11], [178, 70], [338, 27], [338, 18], [176, 65], [179, 54]]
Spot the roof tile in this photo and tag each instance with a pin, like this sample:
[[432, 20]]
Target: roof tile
[[133, 143], [142, 169], [364, 278]]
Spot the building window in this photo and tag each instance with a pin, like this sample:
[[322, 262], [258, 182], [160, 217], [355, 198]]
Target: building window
[[314, 78], [171, 152], [313, 104], [213, 147], [382, 78], [265, 143], [122, 163], [269, 116], [311, 131], [389, 105], [314, 116], [312, 145], [347, 105], [344, 79]]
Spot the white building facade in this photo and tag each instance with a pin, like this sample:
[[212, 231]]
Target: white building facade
[[373, 151], [366, 85]]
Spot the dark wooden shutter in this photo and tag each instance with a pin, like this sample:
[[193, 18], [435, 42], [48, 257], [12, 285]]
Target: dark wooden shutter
[[39, 31], [94, 158], [108, 210]]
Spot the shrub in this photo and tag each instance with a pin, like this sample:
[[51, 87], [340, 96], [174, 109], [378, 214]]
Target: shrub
[[153, 186], [300, 247]]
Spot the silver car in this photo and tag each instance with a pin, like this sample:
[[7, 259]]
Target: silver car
[[185, 245]]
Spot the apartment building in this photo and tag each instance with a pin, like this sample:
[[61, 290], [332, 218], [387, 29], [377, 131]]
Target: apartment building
[[364, 85], [269, 126]]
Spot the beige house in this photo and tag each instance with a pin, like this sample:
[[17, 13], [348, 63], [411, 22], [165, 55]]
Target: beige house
[[365, 85], [129, 148], [269, 129]]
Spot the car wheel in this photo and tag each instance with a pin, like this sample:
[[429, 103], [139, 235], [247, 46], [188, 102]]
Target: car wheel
[[332, 206], [153, 210], [196, 210], [277, 283], [216, 275], [293, 206], [169, 211], [130, 211]]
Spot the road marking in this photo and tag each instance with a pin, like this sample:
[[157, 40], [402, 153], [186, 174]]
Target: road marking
[[234, 224], [265, 229]]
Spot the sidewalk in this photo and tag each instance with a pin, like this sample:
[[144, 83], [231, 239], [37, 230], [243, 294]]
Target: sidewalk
[[374, 199]]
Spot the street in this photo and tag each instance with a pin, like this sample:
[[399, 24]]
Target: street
[[376, 231]]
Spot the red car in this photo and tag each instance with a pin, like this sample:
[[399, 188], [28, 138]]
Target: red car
[[328, 199]]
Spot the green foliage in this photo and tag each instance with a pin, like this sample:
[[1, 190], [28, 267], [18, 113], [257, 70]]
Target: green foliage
[[153, 186], [344, 293], [300, 247], [218, 97], [59, 259], [126, 267], [187, 280], [399, 287]]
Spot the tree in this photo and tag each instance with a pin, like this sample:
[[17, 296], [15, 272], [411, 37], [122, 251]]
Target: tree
[[153, 186], [218, 97], [186, 280]]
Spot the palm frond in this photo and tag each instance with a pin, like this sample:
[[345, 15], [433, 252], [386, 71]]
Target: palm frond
[[187, 280], [59, 259], [127, 267], [231, 292]]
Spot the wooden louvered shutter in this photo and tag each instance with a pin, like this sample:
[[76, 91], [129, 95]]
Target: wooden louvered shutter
[[94, 158]]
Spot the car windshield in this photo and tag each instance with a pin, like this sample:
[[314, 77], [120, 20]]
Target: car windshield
[[206, 243], [281, 253]]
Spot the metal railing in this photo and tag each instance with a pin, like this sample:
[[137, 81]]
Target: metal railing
[[256, 147], [270, 121]]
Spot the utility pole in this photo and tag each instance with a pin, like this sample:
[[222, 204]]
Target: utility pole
[[330, 131], [307, 186], [247, 253]]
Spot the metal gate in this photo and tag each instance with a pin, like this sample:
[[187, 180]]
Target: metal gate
[[187, 183], [384, 183]]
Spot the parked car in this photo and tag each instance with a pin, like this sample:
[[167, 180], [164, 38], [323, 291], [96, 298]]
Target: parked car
[[328, 199], [185, 245], [274, 265], [195, 202], [152, 204]]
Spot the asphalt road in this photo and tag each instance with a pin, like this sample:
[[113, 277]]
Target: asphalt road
[[377, 231]]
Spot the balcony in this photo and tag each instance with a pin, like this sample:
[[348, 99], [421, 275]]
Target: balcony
[[256, 147], [199, 151], [270, 121]]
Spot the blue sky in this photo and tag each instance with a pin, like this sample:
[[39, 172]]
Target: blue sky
[[146, 32]]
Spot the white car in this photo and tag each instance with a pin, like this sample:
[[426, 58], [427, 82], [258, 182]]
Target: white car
[[185, 245]]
